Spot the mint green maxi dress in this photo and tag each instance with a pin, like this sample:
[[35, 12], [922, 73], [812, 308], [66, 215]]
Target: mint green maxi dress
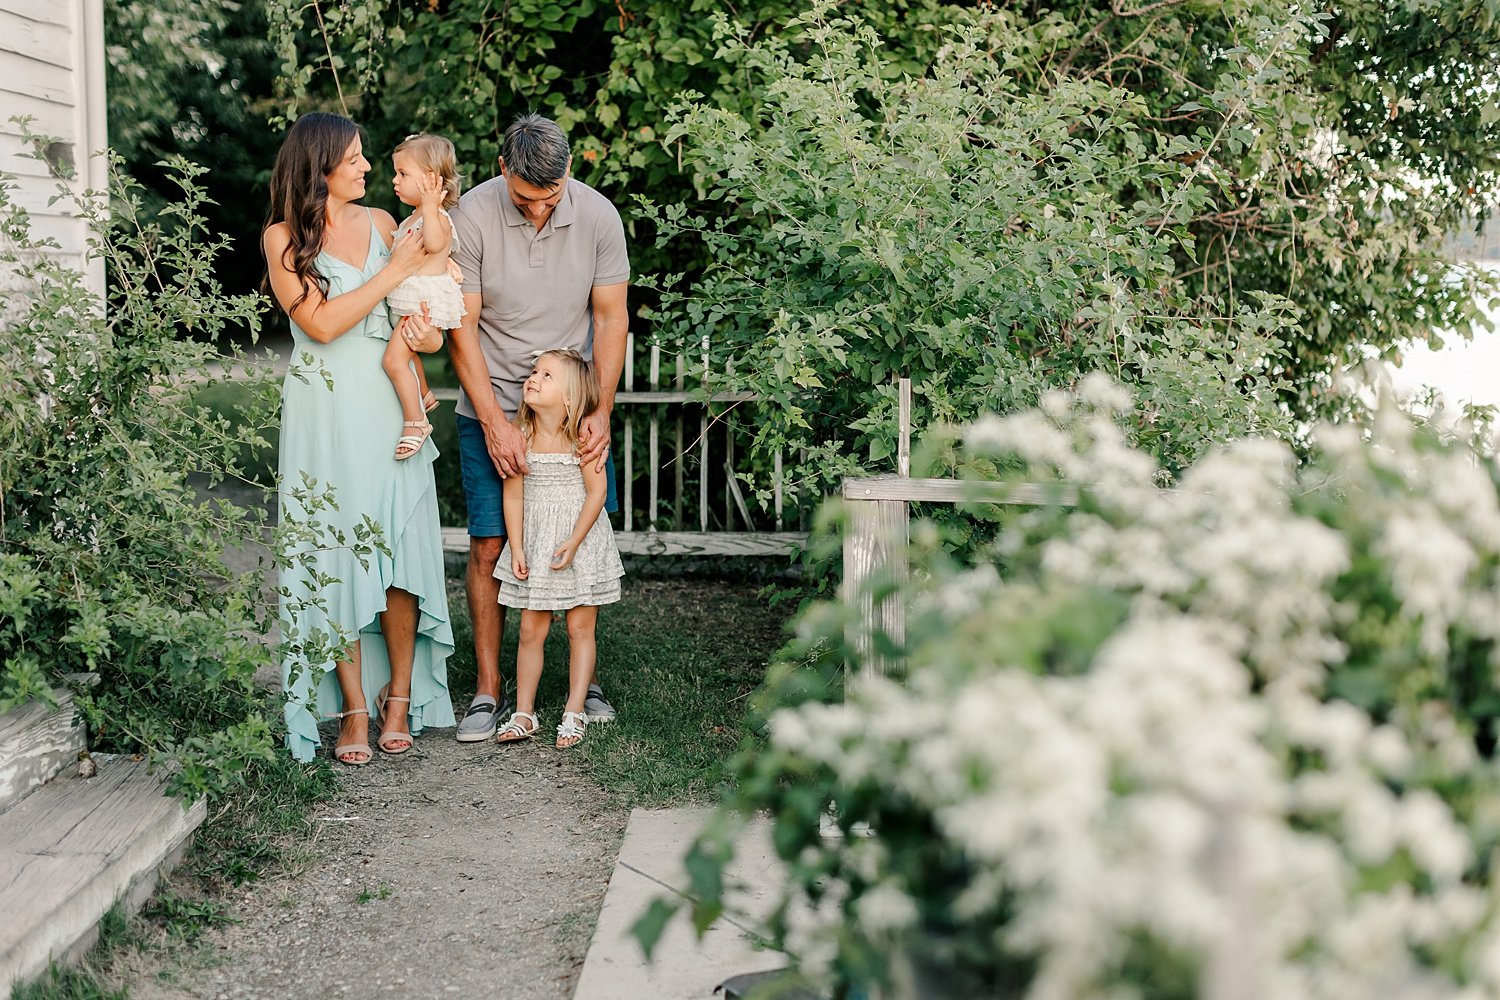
[[343, 437]]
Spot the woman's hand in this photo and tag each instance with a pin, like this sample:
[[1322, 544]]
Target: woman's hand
[[419, 333], [563, 557], [408, 254], [518, 562]]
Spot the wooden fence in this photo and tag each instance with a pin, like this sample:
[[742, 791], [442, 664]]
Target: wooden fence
[[876, 539], [879, 518], [679, 459]]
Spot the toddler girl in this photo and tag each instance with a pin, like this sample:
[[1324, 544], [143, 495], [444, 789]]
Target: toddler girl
[[427, 179], [560, 553]]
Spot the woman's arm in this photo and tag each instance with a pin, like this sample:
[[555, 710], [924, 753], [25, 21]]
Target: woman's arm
[[327, 319], [512, 500], [595, 490]]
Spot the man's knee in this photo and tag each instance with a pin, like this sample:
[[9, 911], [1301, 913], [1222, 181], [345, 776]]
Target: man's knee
[[484, 553]]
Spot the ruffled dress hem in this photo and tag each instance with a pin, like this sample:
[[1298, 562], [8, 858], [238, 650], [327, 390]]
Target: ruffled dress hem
[[431, 703]]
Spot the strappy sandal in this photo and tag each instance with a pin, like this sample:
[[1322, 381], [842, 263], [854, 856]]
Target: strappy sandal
[[345, 748], [429, 401], [514, 732], [380, 702], [571, 730], [408, 445]]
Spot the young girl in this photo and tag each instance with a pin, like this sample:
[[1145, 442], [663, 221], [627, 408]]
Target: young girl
[[427, 179], [560, 553]]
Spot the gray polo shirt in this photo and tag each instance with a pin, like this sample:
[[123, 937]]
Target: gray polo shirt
[[535, 285]]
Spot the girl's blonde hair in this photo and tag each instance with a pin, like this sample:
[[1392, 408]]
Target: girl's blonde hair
[[433, 152], [580, 394]]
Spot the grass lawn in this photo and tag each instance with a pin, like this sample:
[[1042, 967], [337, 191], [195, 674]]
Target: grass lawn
[[678, 659]]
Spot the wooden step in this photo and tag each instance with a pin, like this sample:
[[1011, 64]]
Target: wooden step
[[36, 742], [71, 849]]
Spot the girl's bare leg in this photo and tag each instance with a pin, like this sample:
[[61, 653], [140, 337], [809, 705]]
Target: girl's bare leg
[[533, 642], [582, 652], [422, 389], [352, 728], [397, 365], [398, 623]]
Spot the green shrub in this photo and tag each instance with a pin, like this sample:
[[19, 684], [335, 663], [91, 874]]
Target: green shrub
[[987, 240], [1331, 149], [110, 560]]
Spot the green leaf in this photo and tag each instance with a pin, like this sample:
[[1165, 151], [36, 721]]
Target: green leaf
[[648, 927]]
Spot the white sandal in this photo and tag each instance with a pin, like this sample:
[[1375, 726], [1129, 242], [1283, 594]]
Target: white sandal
[[571, 729], [514, 732], [408, 445], [349, 749]]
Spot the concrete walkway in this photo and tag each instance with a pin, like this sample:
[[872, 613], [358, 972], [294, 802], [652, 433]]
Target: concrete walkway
[[684, 968]]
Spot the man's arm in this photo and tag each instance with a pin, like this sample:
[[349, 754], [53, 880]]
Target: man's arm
[[611, 324], [506, 446]]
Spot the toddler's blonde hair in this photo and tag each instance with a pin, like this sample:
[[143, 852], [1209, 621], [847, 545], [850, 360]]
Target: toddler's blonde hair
[[433, 152], [580, 390]]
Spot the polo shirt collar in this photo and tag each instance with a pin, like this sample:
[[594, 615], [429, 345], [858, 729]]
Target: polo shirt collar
[[562, 215]]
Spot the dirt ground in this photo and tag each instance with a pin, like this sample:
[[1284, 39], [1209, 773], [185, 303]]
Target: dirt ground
[[464, 870], [467, 870]]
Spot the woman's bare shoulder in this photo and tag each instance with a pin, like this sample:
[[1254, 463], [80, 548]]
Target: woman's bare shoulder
[[385, 225], [275, 240]]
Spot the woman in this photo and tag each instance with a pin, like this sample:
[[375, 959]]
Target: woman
[[330, 266]]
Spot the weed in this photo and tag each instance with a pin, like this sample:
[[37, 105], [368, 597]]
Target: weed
[[384, 892], [183, 920], [63, 983], [264, 826]]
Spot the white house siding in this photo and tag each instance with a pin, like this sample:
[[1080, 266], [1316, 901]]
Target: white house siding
[[52, 68]]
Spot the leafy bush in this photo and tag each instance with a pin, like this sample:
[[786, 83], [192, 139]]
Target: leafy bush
[[110, 561], [1356, 146], [985, 239], [1231, 740]]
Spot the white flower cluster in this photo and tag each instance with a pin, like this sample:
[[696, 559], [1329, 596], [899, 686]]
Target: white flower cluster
[[1199, 782]]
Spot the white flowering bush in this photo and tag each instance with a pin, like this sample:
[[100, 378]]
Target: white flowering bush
[[1230, 740]]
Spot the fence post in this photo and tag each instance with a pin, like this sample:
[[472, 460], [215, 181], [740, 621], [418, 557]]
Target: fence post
[[875, 549]]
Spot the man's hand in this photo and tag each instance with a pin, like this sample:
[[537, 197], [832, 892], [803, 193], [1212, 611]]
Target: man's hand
[[506, 446], [593, 439], [419, 333]]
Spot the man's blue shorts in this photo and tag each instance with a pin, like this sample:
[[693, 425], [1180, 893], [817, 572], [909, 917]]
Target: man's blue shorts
[[483, 486]]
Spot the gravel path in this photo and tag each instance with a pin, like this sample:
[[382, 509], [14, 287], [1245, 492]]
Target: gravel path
[[456, 870], [463, 870]]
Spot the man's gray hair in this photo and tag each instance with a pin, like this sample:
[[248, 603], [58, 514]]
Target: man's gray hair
[[535, 150]]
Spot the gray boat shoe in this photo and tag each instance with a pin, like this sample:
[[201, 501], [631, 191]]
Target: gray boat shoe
[[596, 708], [481, 720]]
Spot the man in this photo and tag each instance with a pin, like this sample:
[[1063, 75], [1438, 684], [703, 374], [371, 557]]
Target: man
[[544, 265]]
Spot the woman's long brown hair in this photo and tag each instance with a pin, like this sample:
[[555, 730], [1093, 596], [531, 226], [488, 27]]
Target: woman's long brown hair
[[299, 192]]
